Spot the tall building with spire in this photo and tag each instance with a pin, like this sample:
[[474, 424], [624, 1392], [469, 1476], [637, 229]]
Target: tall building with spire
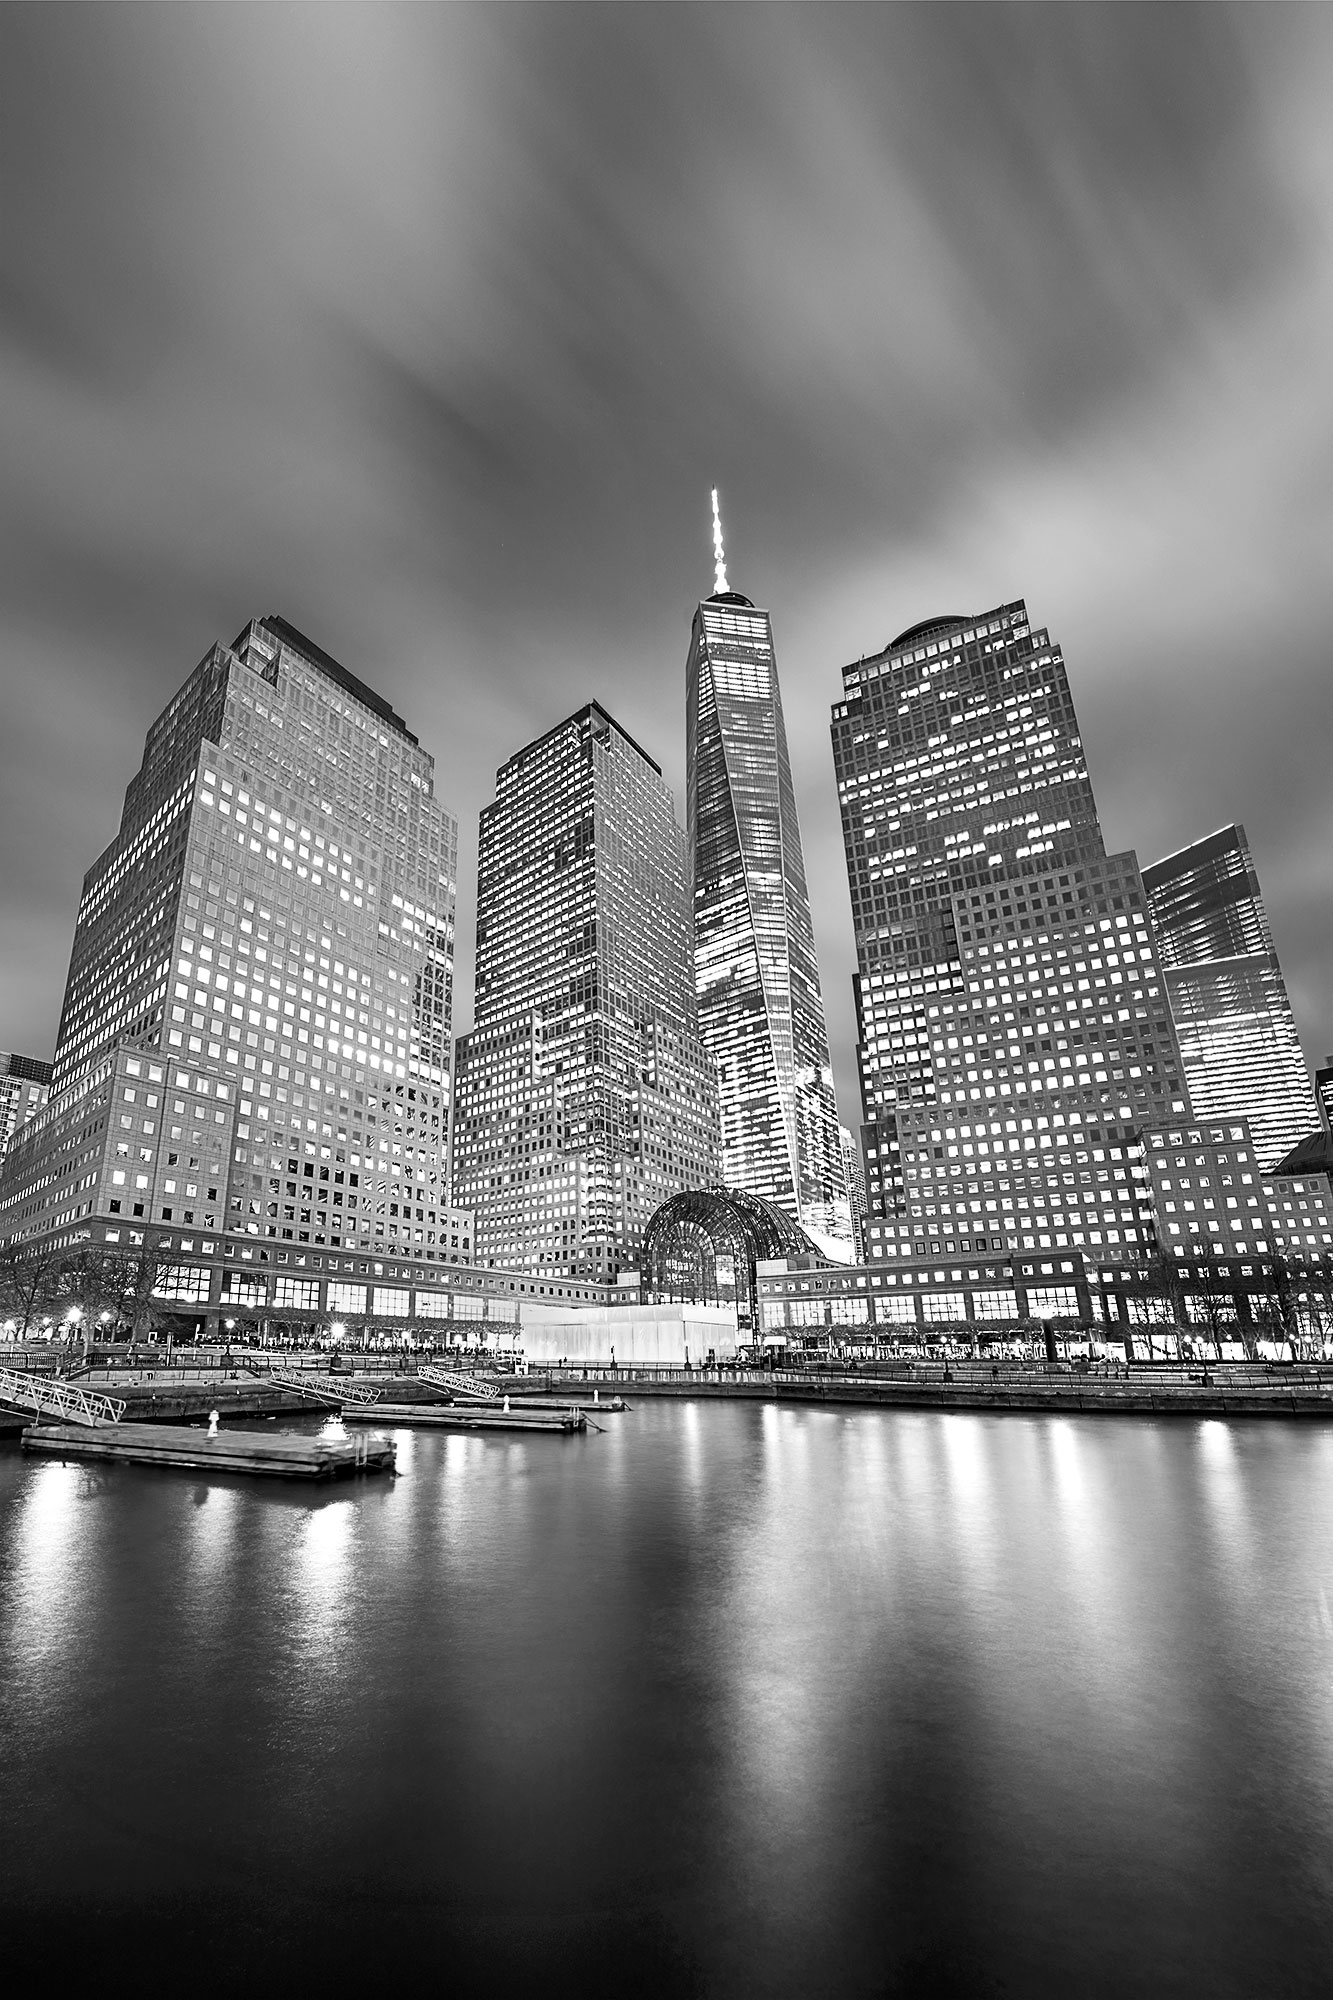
[[1238, 1039], [761, 1011], [584, 1095]]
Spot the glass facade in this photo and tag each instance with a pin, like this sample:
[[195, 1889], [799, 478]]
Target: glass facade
[[24, 1086], [274, 921], [761, 1011], [584, 1094], [705, 1247], [1014, 1031], [1237, 1035], [853, 1167]]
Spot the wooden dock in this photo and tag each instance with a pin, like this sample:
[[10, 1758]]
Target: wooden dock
[[269, 1454], [471, 1417], [603, 1406]]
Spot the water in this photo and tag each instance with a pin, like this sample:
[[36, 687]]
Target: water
[[727, 1700]]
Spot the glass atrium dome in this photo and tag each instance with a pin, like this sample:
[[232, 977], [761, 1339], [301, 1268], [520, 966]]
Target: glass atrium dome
[[701, 1247]]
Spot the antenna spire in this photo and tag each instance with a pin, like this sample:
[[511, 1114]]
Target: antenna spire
[[720, 583]]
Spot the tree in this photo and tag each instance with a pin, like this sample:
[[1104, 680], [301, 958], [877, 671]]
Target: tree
[[1277, 1299], [120, 1284], [1163, 1285], [242, 1328], [1317, 1308], [29, 1283], [148, 1265], [1216, 1302], [94, 1281]]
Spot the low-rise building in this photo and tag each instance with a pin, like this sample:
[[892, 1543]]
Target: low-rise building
[[626, 1336], [1216, 1226], [876, 1307]]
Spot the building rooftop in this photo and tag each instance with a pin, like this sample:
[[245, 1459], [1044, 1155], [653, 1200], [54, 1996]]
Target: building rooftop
[[1311, 1155], [927, 630], [31, 1069], [591, 709], [326, 664]]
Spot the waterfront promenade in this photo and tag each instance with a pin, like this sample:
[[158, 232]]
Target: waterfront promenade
[[238, 1383], [1228, 1390]]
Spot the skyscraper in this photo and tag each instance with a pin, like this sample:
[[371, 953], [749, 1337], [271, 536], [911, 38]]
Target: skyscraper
[[761, 1012], [1237, 1036], [25, 1083], [1014, 1031], [584, 1094], [853, 1167], [1323, 1090], [255, 1032]]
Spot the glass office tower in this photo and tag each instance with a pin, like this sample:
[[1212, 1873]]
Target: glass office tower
[[25, 1084], [1014, 1031], [761, 1011], [584, 1096], [1237, 1035], [255, 1036]]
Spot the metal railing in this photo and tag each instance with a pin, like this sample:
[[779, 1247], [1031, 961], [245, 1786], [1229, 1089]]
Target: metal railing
[[466, 1386], [323, 1388], [47, 1396]]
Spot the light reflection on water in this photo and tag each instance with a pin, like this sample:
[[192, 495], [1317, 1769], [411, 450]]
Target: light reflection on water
[[725, 1699]]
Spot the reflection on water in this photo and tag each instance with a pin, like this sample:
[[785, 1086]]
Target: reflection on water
[[38, 1613], [726, 1699]]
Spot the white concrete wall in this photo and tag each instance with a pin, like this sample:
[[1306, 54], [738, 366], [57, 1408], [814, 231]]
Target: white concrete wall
[[663, 1336]]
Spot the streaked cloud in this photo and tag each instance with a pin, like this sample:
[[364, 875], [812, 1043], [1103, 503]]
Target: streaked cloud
[[432, 328]]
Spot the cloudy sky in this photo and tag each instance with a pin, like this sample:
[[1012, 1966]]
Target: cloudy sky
[[431, 329]]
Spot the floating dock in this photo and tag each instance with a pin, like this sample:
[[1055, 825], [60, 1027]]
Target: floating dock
[[270, 1454], [471, 1417], [591, 1407]]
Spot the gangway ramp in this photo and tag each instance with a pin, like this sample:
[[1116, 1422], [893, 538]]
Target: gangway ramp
[[466, 1386], [56, 1401], [323, 1388]]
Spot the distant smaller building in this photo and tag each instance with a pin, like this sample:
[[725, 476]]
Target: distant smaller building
[[1311, 1159], [1238, 1042], [1323, 1090], [25, 1085], [854, 1167]]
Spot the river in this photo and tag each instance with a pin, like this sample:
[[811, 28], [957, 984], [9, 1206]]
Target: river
[[725, 1699]]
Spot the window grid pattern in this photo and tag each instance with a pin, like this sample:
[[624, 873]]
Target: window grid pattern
[[1238, 1039], [1014, 1028], [584, 1094], [761, 1009], [277, 912]]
